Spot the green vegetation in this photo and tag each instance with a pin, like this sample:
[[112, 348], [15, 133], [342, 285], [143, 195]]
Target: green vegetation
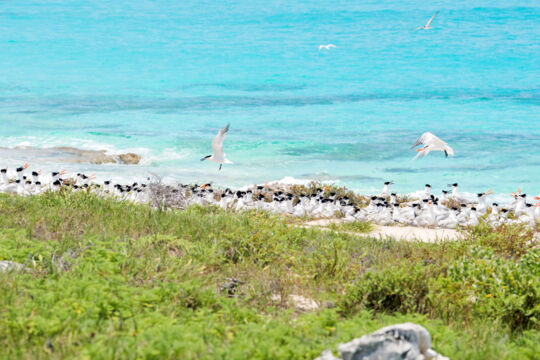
[[107, 279]]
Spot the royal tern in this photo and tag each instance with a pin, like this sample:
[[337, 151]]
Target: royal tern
[[217, 146], [327, 47], [431, 143], [427, 26]]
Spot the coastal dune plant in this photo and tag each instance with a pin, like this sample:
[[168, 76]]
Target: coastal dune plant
[[105, 279]]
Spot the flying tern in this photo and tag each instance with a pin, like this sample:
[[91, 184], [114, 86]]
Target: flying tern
[[427, 26], [217, 146], [431, 143], [327, 47]]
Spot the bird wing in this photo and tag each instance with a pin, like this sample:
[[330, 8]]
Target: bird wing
[[425, 139], [422, 153], [217, 143], [320, 47], [448, 150], [430, 20], [417, 28], [332, 45]]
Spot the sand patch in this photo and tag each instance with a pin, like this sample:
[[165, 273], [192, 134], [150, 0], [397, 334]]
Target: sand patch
[[401, 233]]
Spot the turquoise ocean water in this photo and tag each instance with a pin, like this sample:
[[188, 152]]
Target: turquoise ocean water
[[160, 77]]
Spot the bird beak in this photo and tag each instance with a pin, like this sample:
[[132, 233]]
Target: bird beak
[[537, 198], [417, 150], [489, 192], [39, 172], [26, 166], [92, 177]]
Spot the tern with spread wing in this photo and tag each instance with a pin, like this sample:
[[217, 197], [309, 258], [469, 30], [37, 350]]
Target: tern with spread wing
[[217, 146], [431, 143], [427, 26], [327, 47]]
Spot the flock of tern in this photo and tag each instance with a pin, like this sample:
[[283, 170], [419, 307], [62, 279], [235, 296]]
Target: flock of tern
[[449, 210]]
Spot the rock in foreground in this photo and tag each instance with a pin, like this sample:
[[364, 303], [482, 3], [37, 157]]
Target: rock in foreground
[[402, 341], [8, 266], [69, 155]]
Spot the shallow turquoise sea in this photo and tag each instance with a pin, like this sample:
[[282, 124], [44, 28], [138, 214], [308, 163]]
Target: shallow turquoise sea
[[161, 77]]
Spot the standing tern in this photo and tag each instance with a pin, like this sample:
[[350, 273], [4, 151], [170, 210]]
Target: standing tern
[[431, 143], [427, 26], [217, 146]]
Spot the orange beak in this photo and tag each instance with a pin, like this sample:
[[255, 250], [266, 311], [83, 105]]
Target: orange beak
[[490, 192], [39, 172], [63, 172], [537, 198], [26, 166], [92, 177], [419, 149]]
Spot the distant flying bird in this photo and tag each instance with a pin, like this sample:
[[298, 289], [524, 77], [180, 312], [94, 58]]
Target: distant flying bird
[[327, 47], [217, 146], [427, 27], [431, 143]]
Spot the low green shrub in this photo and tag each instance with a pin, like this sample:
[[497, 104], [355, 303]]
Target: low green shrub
[[391, 289], [487, 286]]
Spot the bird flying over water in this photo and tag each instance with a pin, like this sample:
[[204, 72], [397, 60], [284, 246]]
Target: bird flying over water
[[327, 47], [431, 143], [427, 26], [217, 146]]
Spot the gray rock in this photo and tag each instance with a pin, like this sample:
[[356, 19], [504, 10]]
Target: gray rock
[[402, 341], [8, 266]]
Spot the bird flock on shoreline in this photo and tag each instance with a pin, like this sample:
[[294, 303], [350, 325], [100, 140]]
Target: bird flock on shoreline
[[449, 210]]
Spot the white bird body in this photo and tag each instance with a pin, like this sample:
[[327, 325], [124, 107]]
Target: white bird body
[[457, 196], [427, 26], [327, 47], [473, 218], [494, 216], [427, 192], [386, 189], [449, 222], [426, 218], [3, 178], [431, 143], [520, 206], [217, 145]]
